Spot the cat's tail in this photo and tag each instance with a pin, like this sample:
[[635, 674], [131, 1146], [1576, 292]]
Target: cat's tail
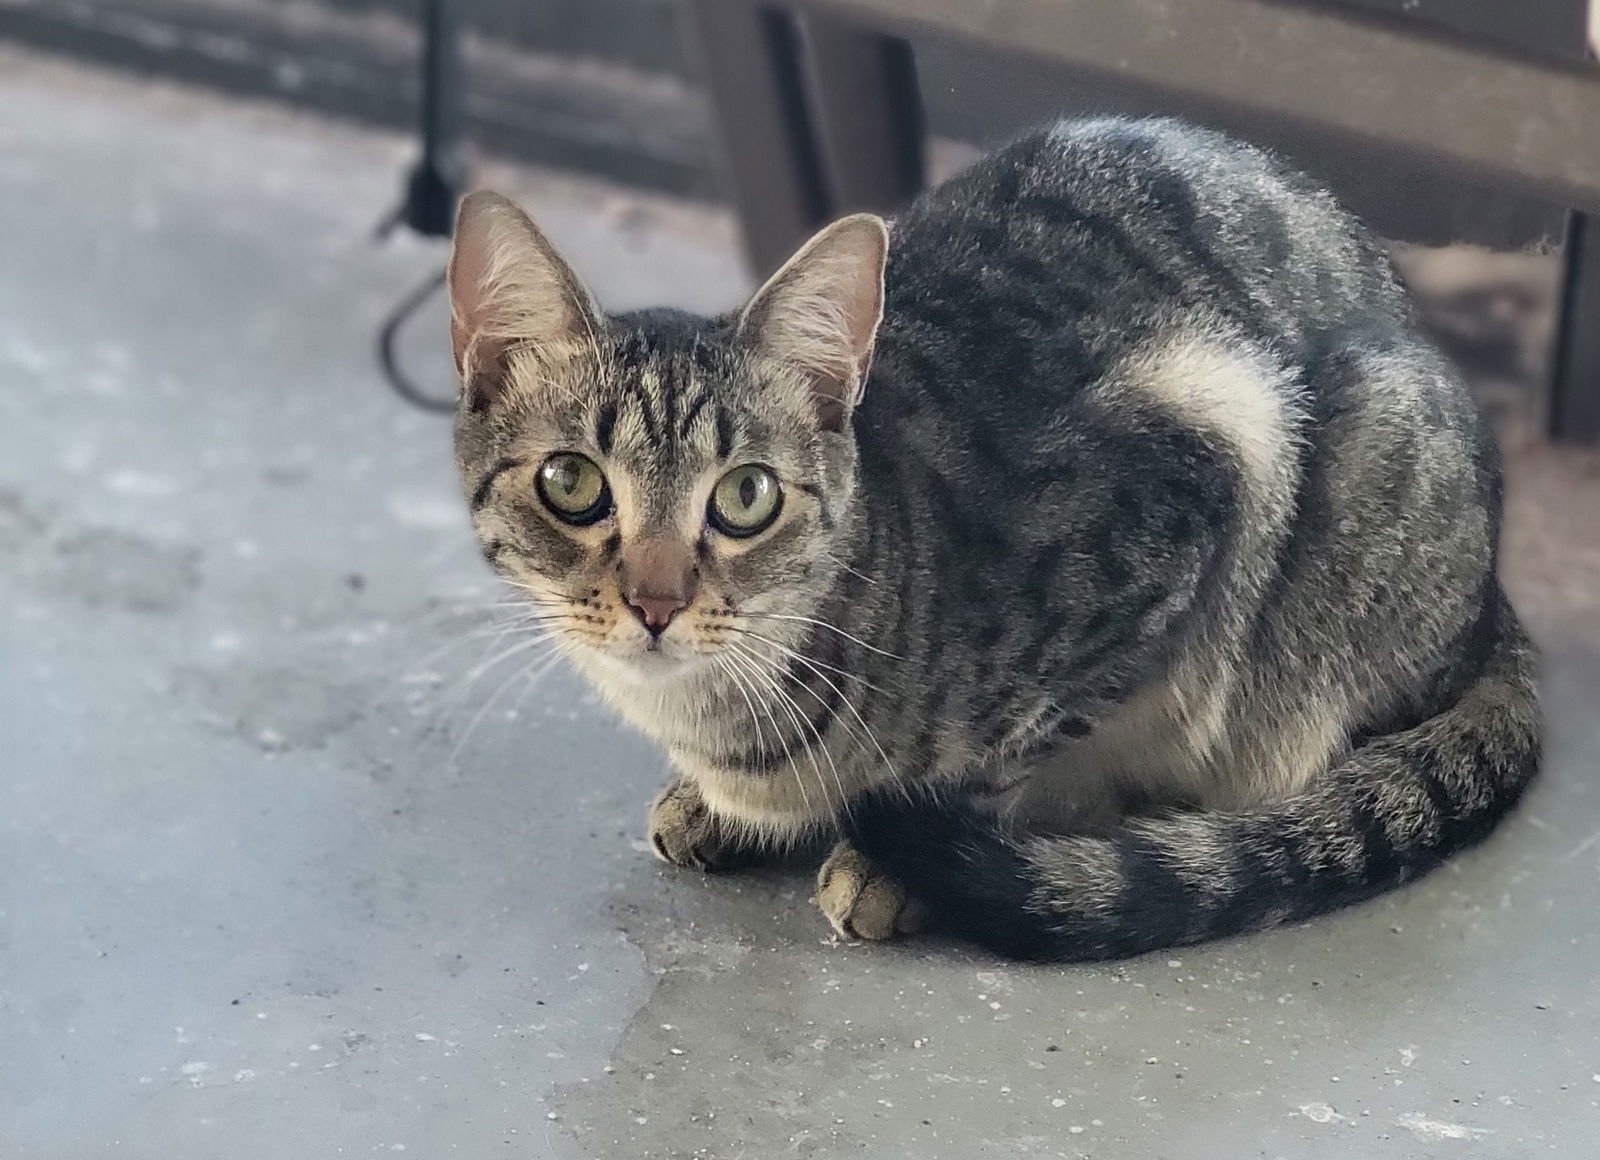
[[1391, 811]]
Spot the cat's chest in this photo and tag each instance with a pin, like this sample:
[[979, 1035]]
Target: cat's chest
[[684, 714]]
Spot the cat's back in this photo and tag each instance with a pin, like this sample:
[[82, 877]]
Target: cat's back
[[1085, 236]]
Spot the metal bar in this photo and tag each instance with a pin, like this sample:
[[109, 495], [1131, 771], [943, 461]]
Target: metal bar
[[750, 60], [1575, 385], [436, 181], [867, 115], [1529, 124]]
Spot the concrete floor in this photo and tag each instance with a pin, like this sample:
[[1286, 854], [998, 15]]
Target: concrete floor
[[280, 879]]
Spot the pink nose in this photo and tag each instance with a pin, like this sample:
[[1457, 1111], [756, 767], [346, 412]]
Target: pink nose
[[656, 612]]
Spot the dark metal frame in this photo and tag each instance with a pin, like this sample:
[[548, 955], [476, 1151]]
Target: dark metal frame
[[817, 119], [436, 181], [1575, 371], [819, 112]]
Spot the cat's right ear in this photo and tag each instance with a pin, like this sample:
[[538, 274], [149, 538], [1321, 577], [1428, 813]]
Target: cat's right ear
[[508, 287], [820, 313]]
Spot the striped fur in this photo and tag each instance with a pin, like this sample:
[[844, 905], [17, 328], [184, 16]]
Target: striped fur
[[1144, 593]]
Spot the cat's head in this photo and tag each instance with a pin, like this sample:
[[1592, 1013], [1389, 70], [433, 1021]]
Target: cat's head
[[664, 489]]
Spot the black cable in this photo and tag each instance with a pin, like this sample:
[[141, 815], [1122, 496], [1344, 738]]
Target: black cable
[[435, 183], [403, 386]]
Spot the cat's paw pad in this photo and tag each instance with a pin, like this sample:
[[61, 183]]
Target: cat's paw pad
[[684, 831], [863, 903]]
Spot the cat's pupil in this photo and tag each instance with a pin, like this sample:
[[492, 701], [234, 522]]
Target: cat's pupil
[[567, 479], [747, 491]]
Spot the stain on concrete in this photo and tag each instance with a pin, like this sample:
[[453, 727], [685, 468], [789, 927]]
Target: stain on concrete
[[110, 568], [19, 524], [275, 708], [99, 567]]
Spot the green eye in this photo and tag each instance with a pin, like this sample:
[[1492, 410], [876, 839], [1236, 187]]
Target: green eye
[[574, 488], [745, 501]]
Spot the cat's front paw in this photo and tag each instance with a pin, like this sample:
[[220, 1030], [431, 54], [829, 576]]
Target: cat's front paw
[[684, 831], [862, 902]]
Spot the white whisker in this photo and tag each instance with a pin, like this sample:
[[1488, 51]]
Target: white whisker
[[788, 749], [773, 680], [822, 624], [856, 713]]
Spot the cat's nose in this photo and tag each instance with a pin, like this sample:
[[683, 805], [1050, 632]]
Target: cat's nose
[[656, 612], [658, 579]]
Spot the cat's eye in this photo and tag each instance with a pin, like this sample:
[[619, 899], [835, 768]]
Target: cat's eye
[[574, 488], [745, 501]]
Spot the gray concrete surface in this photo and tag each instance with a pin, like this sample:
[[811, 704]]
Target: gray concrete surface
[[279, 879]]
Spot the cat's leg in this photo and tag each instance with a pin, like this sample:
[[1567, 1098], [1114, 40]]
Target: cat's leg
[[861, 901], [684, 831]]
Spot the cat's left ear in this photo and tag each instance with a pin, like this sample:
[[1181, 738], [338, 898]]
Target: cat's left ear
[[820, 312]]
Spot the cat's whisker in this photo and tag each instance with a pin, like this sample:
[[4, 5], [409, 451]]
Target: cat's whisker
[[542, 597], [757, 683], [873, 737], [517, 624], [796, 718], [822, 624], [774, 679], [493, 636], [463, 684], [493, 631], [853, 571], [787, 651], [545, 663], [560, 648], [725, 663], [772, 665]]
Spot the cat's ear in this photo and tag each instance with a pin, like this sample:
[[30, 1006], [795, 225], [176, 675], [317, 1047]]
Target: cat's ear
[[508, 286], [820, 312]]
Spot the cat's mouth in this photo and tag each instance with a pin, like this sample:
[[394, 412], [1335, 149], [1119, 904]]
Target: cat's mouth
[[656, 654]]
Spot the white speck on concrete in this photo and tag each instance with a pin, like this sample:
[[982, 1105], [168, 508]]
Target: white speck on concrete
[[1424, 1128], [196, 1071], [1320, 1113], [130, 482]]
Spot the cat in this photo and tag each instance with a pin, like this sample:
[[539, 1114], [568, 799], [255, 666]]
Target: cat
[[1098, 553]]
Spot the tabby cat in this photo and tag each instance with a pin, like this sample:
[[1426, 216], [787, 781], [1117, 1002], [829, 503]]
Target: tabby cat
[[1096, 553]]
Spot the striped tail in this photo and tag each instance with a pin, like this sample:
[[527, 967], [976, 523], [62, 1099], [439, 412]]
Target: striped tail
[[1393, 810]]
